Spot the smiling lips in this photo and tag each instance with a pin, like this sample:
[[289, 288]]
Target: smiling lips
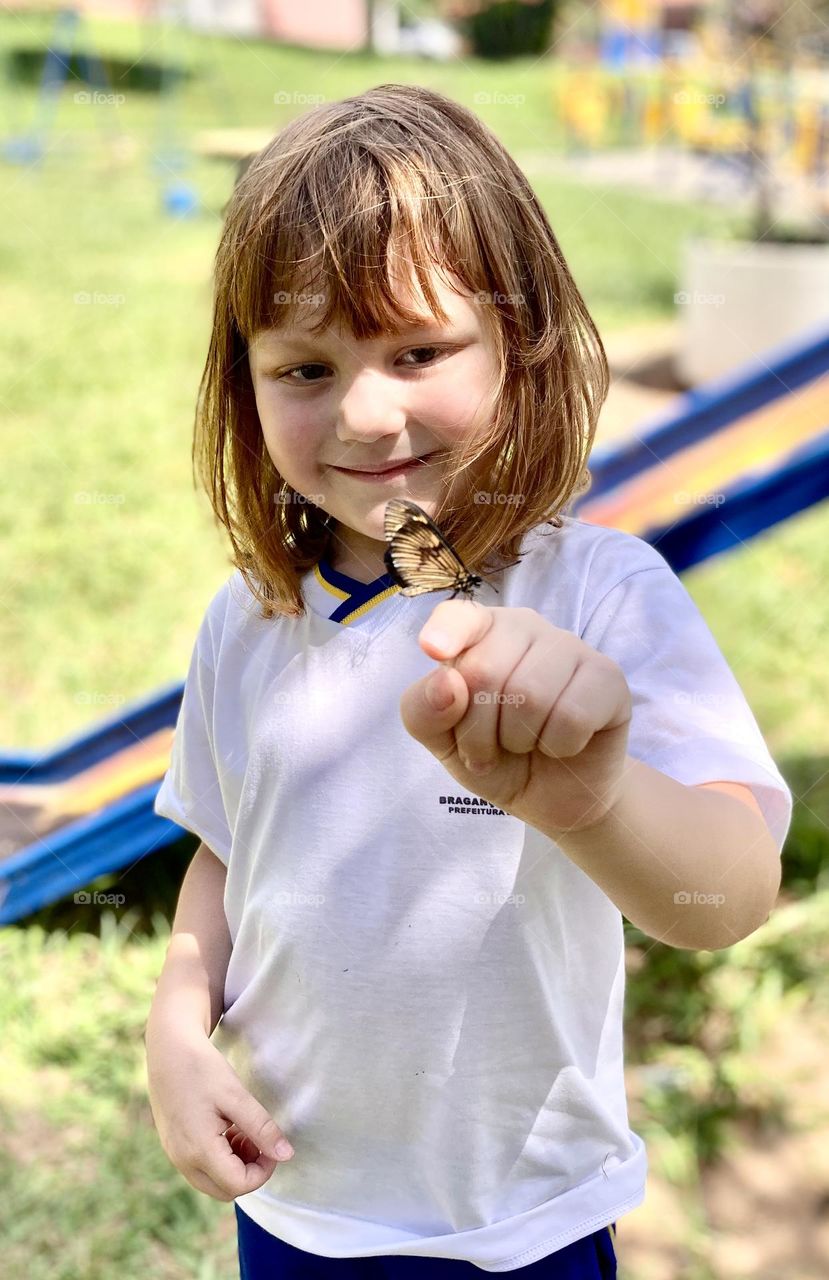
[[387, 471]]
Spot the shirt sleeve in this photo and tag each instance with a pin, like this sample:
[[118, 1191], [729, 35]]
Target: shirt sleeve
[[191, 790], [690, 717]]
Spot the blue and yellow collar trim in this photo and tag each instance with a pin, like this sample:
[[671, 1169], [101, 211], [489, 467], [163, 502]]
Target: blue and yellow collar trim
[[355, 598]]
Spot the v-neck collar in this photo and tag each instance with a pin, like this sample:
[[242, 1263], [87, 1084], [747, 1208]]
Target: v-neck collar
[[343, 599]]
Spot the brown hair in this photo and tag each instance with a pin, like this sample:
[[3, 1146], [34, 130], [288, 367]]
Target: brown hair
[[324, 203]]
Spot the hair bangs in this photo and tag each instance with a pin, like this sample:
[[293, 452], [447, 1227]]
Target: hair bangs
[[308, 266]]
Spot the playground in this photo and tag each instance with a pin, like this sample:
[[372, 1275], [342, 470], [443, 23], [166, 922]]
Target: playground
[[122, 141]]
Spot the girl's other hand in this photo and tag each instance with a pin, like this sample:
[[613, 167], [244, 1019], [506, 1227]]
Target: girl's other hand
[[211, 1129]]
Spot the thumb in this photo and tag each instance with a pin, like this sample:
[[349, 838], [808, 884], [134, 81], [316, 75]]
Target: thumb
[[251, 1119], [433, 724]]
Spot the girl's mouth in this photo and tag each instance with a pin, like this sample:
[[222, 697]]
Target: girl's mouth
[[378, 476]]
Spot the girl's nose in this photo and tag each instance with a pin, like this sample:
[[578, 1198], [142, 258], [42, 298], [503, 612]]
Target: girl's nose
[[372, 406]]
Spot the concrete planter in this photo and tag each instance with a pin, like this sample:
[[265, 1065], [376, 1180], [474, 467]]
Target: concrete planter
[[740, 297]]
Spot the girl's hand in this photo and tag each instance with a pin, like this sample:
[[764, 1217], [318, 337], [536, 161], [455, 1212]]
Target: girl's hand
[[547, 715], [195, 1095]]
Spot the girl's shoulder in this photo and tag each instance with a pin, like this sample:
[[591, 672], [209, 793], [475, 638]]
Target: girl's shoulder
[[584, 557], [231, 608]]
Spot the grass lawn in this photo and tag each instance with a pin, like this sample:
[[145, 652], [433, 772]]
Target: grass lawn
[[110, 558]]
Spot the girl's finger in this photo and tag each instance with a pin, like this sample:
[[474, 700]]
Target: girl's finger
[[241, 1145], [452, 626], [486, 668], [251, 1118], [542, 675], [236, 1174], [203, 1182], [595, 699]]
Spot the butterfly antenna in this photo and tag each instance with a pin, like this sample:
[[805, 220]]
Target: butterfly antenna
[[506, 566]]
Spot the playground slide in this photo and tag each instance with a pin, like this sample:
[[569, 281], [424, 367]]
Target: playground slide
[[727, 461]]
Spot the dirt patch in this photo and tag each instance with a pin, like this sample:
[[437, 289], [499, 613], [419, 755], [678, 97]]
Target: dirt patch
[[761, 1212]]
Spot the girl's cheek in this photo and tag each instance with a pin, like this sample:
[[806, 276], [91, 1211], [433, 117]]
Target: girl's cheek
[[290, 431], [468, 396]]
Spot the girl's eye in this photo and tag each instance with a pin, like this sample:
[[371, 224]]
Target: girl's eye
[[288, 372], [301, 367], [416, 349]]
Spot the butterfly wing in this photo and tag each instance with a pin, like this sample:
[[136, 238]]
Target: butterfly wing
[[399, 511], [418, 556]]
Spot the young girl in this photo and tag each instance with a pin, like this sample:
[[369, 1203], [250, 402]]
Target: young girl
[[399, 944]]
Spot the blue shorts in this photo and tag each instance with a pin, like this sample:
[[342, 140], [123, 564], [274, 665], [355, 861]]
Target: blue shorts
[[263, 1256]]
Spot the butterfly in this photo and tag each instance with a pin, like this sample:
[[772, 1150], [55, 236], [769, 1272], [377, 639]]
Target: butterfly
[[419, 558]]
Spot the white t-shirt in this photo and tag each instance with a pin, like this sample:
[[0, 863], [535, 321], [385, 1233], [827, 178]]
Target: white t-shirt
[[424, 992]]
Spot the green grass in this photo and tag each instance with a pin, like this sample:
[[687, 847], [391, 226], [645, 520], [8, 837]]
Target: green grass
[[88, 1191], [101, 598]]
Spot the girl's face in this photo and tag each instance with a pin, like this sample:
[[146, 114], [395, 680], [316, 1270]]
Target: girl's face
[[330, 405]]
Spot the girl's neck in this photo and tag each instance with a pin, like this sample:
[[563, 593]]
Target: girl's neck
[[356, 556]]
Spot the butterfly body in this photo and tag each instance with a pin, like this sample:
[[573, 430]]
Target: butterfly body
[[419, 558]]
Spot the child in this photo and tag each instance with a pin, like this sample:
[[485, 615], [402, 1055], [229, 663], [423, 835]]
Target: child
[[420, 968]]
